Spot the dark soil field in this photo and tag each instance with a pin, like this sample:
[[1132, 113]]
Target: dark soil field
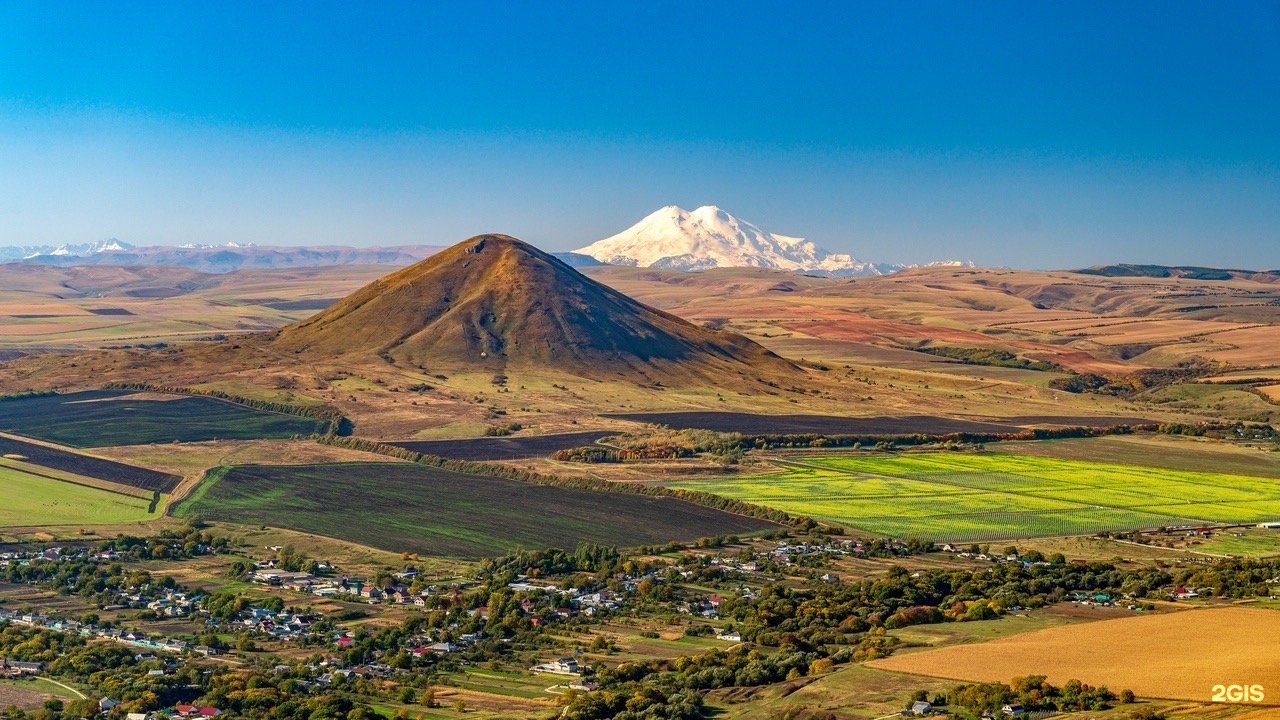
[[749, 424], [403, 507], [504, 448], [103, 418], [108, 470], [1079, 420]]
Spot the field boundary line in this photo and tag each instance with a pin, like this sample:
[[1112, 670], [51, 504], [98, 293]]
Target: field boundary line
[[80, 484]]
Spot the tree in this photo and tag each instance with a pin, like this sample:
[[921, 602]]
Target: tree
[[460, 705]]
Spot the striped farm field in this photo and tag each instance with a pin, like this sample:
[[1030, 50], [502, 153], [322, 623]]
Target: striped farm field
[[993, 496]]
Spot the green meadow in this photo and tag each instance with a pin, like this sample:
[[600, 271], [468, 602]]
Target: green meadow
[[33, 500], [991, 496]]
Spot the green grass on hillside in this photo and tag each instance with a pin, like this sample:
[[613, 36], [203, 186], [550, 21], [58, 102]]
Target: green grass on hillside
[[990, 496], [31, 500]]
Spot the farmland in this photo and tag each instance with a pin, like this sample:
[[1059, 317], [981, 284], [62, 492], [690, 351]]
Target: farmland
[[751, 424], [748, 423], [37, 500], [503, 448], [101, 418], [94, 467], [991, 496], [1178, 656], [405, 507]]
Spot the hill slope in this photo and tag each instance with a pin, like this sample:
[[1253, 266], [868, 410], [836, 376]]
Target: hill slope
[[496, 302]]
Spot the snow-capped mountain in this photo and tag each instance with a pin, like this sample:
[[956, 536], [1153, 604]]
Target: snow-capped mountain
[[677, 239], [81, 250], [221, 258]]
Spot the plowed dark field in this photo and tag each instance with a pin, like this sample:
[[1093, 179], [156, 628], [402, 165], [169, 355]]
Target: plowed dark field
[[405, 507], [102, 418], [504, 448], [109, 470], [749, 424]]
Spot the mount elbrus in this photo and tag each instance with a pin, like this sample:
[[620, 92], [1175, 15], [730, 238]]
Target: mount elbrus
[[495, 302]]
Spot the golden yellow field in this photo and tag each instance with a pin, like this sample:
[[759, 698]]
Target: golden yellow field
[[1176, 656]]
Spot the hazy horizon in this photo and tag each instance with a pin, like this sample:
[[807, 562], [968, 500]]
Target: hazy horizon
[[1048, 136]]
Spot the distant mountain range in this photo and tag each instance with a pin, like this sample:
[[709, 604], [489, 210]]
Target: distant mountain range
[[1187, 272], [673, 238], [215, 258]]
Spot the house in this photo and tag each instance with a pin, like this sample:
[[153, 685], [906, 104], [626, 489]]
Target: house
[[15, 667], [921, 708], [106, 703], [1182, 593], [196, 711], [734, 636], [1013, 709], [563, 666]]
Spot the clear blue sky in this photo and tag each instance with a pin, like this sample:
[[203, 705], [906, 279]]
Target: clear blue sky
[[1033, 134]]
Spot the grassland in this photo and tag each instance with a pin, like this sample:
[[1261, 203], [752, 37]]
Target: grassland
[[1177, 656], [406, 507], [101, 418], [992, 496], [32, 500]]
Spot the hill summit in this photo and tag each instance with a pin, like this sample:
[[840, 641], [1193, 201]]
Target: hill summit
[[493, 302], [673, 238]]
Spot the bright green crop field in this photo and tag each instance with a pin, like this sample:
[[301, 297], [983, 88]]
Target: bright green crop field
[[32, 500], [992, 496]]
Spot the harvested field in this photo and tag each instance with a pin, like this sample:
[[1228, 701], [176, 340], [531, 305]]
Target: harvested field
[[408, 507], [22, 694], [93, 467], [1177, 656], [100, 418], [503, 448]]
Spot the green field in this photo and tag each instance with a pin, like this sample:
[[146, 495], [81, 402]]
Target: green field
[[31, 500], [991, 496], [407, 507], [102, 418]]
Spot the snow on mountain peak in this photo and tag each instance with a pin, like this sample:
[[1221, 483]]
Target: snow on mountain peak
[[677, 239]]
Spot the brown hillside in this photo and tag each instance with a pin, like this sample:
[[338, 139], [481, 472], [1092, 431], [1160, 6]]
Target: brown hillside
[[496, 302]]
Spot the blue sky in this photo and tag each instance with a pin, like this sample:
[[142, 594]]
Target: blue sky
[[1027, 134]]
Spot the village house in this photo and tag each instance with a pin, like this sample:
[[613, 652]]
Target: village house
[[562, 666]]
